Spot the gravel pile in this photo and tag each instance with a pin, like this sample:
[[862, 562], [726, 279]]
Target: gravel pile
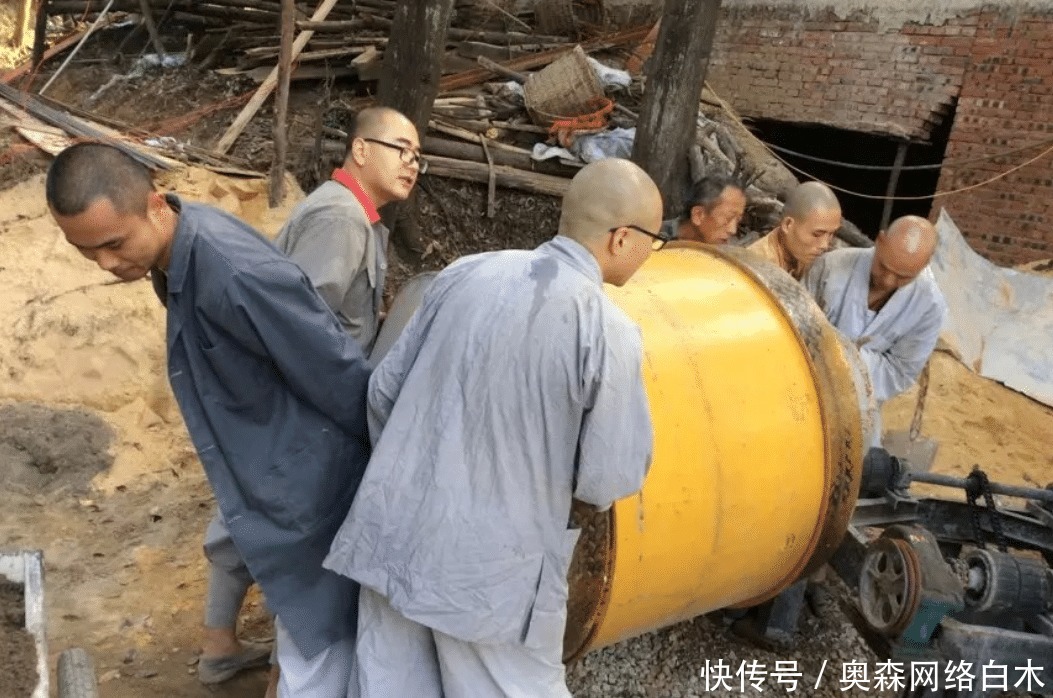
[[669, 663]]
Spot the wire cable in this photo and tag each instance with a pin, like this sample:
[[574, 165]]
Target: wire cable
[[935, 195], [907, 168]]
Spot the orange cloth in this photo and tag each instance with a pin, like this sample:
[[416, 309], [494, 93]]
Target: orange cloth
[[771, 248]]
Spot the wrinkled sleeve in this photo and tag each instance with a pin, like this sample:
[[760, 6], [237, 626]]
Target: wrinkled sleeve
[[330, 250], [386, 382], [275, 313], [616, 441], [894, 370]]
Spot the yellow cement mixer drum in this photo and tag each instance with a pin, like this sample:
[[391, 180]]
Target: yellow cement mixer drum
[[760, 413]]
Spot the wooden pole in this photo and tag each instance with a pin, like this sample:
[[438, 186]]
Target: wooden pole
[[675, 75], [264, 91], [25, 12], [893, 181], [413, 58], [281, 104], [40, 39], [151, 27], [409, 82], [91, 30]]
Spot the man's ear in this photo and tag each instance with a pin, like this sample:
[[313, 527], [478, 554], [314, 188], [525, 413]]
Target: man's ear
[[697, 214], [357, 152], [617, 240], [155, 204]]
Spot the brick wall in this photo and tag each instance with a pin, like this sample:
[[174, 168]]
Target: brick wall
[[1006, 102], [855, 69], [857, 73]]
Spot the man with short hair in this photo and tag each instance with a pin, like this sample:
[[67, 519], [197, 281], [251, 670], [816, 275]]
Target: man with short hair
[[336, 237], [335, 234], [516, 386], [712, 212], [271, 388], [810, 218], [885, 300]]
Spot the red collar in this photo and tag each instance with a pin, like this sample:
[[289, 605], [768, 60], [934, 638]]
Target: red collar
[[344, 177]]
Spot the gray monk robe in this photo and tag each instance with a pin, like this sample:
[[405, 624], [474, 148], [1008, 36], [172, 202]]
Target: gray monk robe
[[516, 385], [894, 342], [272, 391]]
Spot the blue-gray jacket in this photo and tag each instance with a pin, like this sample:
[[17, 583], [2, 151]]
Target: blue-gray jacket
[[273, 394]]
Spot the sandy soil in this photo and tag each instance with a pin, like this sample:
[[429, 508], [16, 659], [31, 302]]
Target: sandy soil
[[978, 421]]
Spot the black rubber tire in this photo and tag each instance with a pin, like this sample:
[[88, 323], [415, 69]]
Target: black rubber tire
[[76, 675]]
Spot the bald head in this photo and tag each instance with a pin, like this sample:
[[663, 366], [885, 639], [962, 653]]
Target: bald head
[[605, 194], [901, 253], [810, 219], [602, 204], [372, 122], [809, 197], [912, 236]]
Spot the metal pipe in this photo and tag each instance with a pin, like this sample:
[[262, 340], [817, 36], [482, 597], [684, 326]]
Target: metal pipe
[[1008, 490]]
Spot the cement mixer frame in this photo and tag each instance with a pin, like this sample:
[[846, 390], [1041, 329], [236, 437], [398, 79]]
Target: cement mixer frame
[[946, 595]]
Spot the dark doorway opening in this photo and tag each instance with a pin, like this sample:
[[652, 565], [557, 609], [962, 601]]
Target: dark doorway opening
[[854, 147]]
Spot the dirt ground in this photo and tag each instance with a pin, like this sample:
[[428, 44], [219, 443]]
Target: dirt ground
[[18, 653], [104, 478], [978, 421]]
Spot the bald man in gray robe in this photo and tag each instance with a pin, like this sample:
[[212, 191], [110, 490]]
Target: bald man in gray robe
[[886, 301], [516, 386]]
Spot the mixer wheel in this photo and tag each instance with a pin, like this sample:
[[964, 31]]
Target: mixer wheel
[[890, 586]]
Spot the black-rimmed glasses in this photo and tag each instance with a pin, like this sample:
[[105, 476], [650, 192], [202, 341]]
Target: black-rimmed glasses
[[657, 241], [407, 155]]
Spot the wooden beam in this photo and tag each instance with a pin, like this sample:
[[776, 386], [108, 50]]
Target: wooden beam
[[78, 128], [474, 152], [508, 177], [264, 90], [25, 12], [281, 104], [40, 38], [540, 60], [675, 75]]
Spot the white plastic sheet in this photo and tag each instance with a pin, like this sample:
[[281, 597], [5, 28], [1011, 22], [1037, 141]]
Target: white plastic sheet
[[1000, 322]]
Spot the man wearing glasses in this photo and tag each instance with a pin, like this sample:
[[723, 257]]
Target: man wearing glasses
[[516, 386], [335, 234]]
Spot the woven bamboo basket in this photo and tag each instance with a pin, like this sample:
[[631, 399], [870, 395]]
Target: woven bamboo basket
[[566, 88]]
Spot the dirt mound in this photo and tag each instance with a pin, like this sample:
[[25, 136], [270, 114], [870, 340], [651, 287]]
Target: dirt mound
[[978, 421], [42, 448], [77, 336]]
